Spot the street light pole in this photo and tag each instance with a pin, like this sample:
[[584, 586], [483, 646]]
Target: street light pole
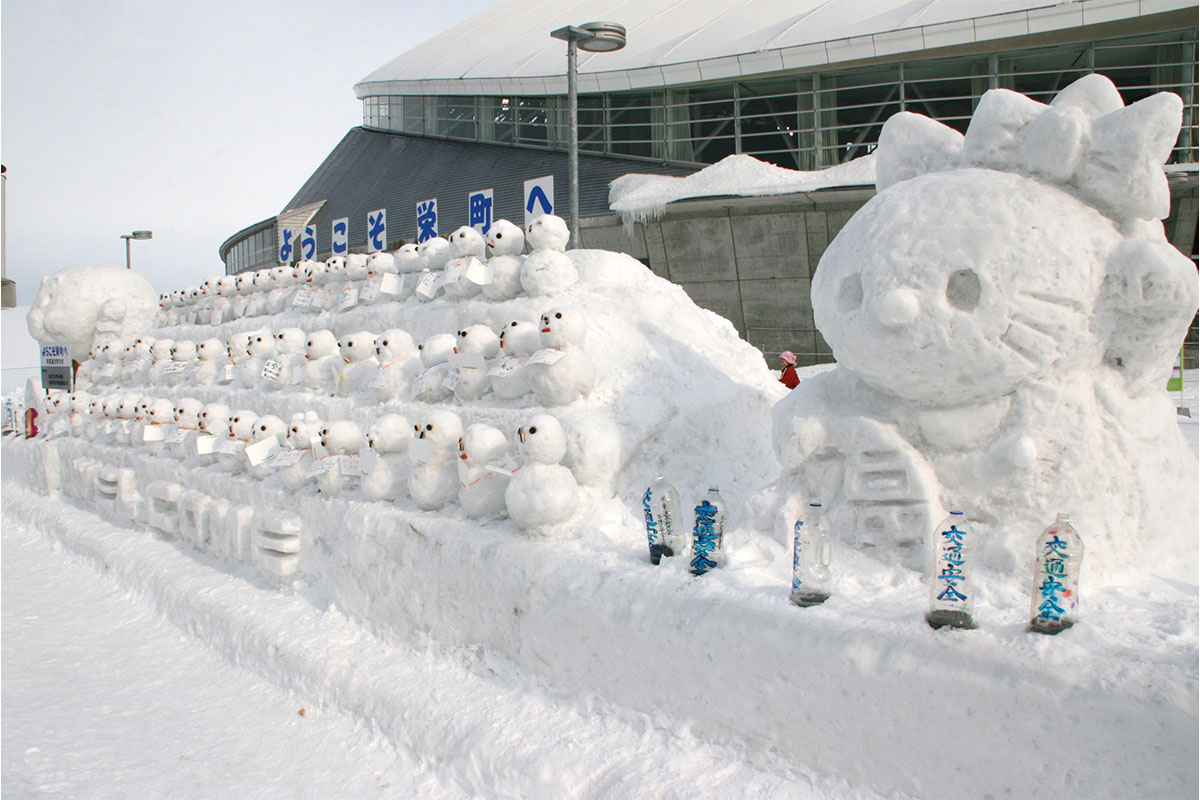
[[140, 236], [596, 37]]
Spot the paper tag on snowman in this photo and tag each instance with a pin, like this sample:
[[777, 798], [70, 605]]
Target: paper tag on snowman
[[480, 272], [430, 284], [302, 299], [506, 466], [467, 361], [322, 465], [349, 298], [318, 449], [421, 451], [455, 270], [319, 300], [504, 367], [226, 375], [205, 445], [259, 452], [271, 369], [179, 435], [350, 465], [175, 366], [154, 433], [547, 355], [370, 291], [391, 283], [451, 379], [230, 447], [239, 306], [366, 460], [126, 426], [285, 458], [58, 428], [218, 312]]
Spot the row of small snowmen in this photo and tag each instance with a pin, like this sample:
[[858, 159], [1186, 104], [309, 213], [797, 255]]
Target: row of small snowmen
[[544, 357], [434, 462], [464, 266]]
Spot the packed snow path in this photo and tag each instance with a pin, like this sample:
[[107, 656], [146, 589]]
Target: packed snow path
[[103, 697]]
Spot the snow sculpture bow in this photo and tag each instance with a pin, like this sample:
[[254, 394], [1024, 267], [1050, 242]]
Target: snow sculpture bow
[[1086, 141]]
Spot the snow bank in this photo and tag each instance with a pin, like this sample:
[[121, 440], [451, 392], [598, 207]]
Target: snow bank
[[644, 197]]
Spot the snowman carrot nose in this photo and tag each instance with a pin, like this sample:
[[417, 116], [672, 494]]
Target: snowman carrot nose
[[521, 433], [462, 449]]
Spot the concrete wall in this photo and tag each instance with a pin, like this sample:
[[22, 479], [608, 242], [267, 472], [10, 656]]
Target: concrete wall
[[750, 260]]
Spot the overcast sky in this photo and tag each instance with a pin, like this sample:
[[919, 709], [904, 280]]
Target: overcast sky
[[189, 119]]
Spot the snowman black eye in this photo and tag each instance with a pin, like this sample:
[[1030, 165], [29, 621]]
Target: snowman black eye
[[416, 428], [533, 429], [499, 235], [310, 344], [295, 430], [558, 315], [429, 427]]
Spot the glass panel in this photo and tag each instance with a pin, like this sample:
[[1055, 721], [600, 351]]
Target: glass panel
[[630, 116], [532, 123], [456, 116], [770, 121], [710, 112], [591, 122], [414, 114]]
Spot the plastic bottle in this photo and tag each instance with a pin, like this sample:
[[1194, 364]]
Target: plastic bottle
[[660, 508], [708, 533], [1055, 603], [811, 555], [951, 589]]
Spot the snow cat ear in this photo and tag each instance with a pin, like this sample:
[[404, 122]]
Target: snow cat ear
[[911, 145]]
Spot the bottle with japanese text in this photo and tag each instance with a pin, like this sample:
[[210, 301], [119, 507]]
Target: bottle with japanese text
[[1055, 602], [660, 505], [951, 588], [708, 533], [811, 556]]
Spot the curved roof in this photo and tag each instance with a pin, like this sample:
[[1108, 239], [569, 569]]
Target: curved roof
[[507, 49]]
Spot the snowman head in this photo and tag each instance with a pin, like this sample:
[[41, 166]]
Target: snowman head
[[434, 253], [320, 344], [520, 338], [542, 440], [562, 328], [187, 412], [141, 347], [210, 350], [505, 239], [261, 344], [214, 419], [303, 429], [183, 350], [477, 339], [241, 424], [377, 264], [161, 349], [161, 411], [389, 434], [466, 241], [267, 426], [342, 437], [290, 341], [442, 429], [483, 444], [548, 232], [408, 259], [394, 345], [437, 348], [355, 347]]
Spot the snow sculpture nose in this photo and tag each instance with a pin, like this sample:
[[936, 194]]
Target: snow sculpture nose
[[898, 307]]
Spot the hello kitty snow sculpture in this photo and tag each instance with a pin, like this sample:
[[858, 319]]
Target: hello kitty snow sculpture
[[505, 243], [543, 492], [561, 372], [1004, 313], [433, 479], [388, 439], [547, 270]]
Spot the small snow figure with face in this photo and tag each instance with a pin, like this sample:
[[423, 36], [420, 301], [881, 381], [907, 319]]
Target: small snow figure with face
[[302, 431], [266, 427], [260, 350], [505, 244], [214, 421], [211, 357], [388, 439], [289, 355], [481, 491], [342, 438], [466, 243], [241, 430], [433, 481], [408, 268], [322, 359], [548, 269], [378, 265], [184, 355], [136, 367], [570, 375], [519, 339], [160, 359], [398, 365], [476, 345], [187, 419], [160, 414], [430, 385], [358, 353], [543, 493]]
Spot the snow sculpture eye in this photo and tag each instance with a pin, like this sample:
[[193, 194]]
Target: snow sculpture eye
[[295, 429], [349, 344], [416, 428], [963, 290], [385, 343], [309, 343], [533, 429], [850, 294], [429, 427]]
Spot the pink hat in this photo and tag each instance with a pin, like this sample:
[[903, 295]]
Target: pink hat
[[788, 357]]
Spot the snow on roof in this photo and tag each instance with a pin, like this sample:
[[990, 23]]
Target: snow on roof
[[638, 197], [508, 49]]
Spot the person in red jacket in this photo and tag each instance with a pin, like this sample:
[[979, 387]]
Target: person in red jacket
[[789, 377]]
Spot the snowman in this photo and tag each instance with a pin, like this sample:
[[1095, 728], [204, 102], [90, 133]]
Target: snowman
[[466, 246], [187, 425], [519, 339], [433, 480], [542, 493], [561, 371], [474, 347], [481, 491], [343, 438], [547, 269], [388, 440], [398, 365], [303, 430], [160, 359], [260, 349], [266, 427], [321, 361], [136, 366], [408, 268], [984, 359], [80, 413], [358, 352], [160, 414], [211, 358], [431, 385], [434, 253], [289, 354], [214, 421], [231, 454], [378, 265], [505, 244], [281, 282], [183, 354]]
